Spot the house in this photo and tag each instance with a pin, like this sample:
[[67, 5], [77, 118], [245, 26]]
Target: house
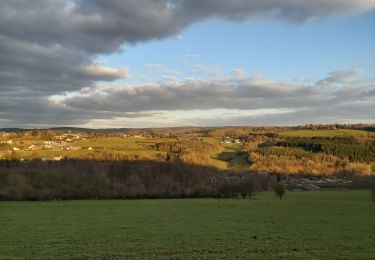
[[55, 158], [33, 147], [75, 148], [48, 147], [9, 142], [237, 141], [90, 148], [15, 149], [52, 145]]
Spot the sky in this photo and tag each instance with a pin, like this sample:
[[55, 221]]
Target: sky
[[163, 63]]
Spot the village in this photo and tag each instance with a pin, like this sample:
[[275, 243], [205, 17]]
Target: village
[[47, 145], [230, 140], [64, 142]]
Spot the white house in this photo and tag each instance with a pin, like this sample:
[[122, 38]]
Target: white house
[[57, 158], [33, 147]]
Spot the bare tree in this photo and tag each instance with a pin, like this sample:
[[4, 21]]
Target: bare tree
[[372, 193], [279, 190]]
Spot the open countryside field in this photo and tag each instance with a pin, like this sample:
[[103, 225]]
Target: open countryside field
[[230, 156], [326, 133], [126, 146], [310, 225], [128, 143]]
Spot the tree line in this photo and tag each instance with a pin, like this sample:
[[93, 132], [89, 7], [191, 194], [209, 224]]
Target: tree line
[[84, 179], [343, 147]]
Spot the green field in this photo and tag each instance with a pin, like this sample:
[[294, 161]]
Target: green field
[[129, 143], [326, 133], [126, 146], [310, 225], [230, 156]]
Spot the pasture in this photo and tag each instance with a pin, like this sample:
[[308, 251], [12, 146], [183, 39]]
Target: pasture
[[310, 225], [139, 147]]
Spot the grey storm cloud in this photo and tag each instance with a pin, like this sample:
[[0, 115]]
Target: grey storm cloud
[[248, 93], [102, 26], [302, 103], [48, 47]]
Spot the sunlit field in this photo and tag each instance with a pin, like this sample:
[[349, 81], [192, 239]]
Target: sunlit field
[[310, 225]]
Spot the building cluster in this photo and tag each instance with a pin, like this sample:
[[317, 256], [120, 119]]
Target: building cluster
[[46, 145], [230, 140], [63, 142]]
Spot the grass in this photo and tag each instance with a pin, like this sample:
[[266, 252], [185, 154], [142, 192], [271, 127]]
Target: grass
[[230, 156], [126, 146], [326, 133], [217, 162], [121, 143], [310, 225]]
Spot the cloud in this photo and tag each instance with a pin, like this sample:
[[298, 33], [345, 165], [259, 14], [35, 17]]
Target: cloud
[[102, 26], [279, 103], [49, 48], [298, 103], [229, 93], [105, 73], [352, 112], [239, 73], [35, 69], [340, 76]]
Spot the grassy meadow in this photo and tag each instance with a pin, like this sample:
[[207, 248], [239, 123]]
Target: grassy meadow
[[126, 146], [230, 156], [310, 225]]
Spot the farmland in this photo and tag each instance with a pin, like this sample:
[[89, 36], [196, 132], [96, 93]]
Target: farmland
[[137, 147], [313, 150], [311, 225]]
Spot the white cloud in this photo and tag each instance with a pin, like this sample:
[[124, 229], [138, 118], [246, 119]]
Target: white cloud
[[103, 71]]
